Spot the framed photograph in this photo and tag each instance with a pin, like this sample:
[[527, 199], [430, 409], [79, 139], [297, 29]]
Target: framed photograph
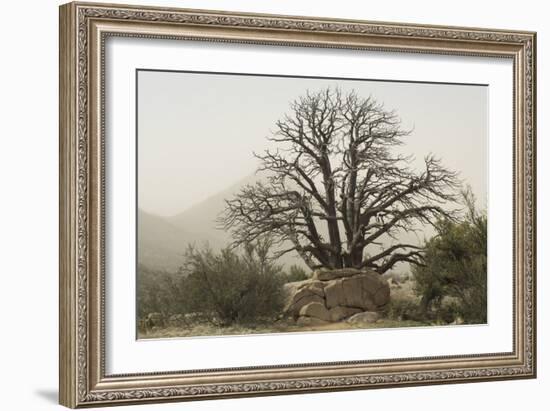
[[259, 204]]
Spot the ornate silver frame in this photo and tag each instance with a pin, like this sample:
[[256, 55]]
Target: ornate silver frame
[[83, 30]]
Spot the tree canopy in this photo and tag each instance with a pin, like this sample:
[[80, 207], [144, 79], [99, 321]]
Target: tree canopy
[[336, 185]]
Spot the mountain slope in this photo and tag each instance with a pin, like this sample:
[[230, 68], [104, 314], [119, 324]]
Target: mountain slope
[[202, 216], [161, 244], [163, 240]]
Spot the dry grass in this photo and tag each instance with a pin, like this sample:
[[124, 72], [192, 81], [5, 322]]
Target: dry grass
[[203, 330]]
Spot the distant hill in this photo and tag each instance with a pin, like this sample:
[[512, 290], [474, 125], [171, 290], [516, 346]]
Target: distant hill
[[201, 218], [160, 244], [163, 240]]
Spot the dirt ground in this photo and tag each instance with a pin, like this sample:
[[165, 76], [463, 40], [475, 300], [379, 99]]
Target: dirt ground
[[204, 330]]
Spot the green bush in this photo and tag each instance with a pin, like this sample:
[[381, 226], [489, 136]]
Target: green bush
[[227, 288], [455, 265], [296, 273]]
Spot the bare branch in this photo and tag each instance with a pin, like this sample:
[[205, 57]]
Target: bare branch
[[335, 172]]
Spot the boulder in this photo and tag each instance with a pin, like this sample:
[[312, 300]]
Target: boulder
[[366, 291], [328, 275], [315, 310], [334, 295], [293, 287], [339, 313], [367, 317], [316, 287], [305, 293]]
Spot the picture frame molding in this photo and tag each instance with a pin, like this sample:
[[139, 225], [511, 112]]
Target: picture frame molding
[[84, 27]]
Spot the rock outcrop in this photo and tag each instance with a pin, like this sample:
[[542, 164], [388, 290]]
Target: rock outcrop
[[315, 310], [335, 295]]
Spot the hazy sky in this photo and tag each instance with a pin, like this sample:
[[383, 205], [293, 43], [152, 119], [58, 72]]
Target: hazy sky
[[197, 132]]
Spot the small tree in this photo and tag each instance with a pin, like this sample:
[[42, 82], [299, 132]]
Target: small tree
[[228, 288], [336, 172], [455, 265]]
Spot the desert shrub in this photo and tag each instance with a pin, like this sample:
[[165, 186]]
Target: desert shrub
[[158, 291], [456, 266], [448, 312], [227, 287], [296, 273], [404, 310]]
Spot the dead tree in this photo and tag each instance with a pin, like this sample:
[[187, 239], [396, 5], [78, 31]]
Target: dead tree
[[335, 186]]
